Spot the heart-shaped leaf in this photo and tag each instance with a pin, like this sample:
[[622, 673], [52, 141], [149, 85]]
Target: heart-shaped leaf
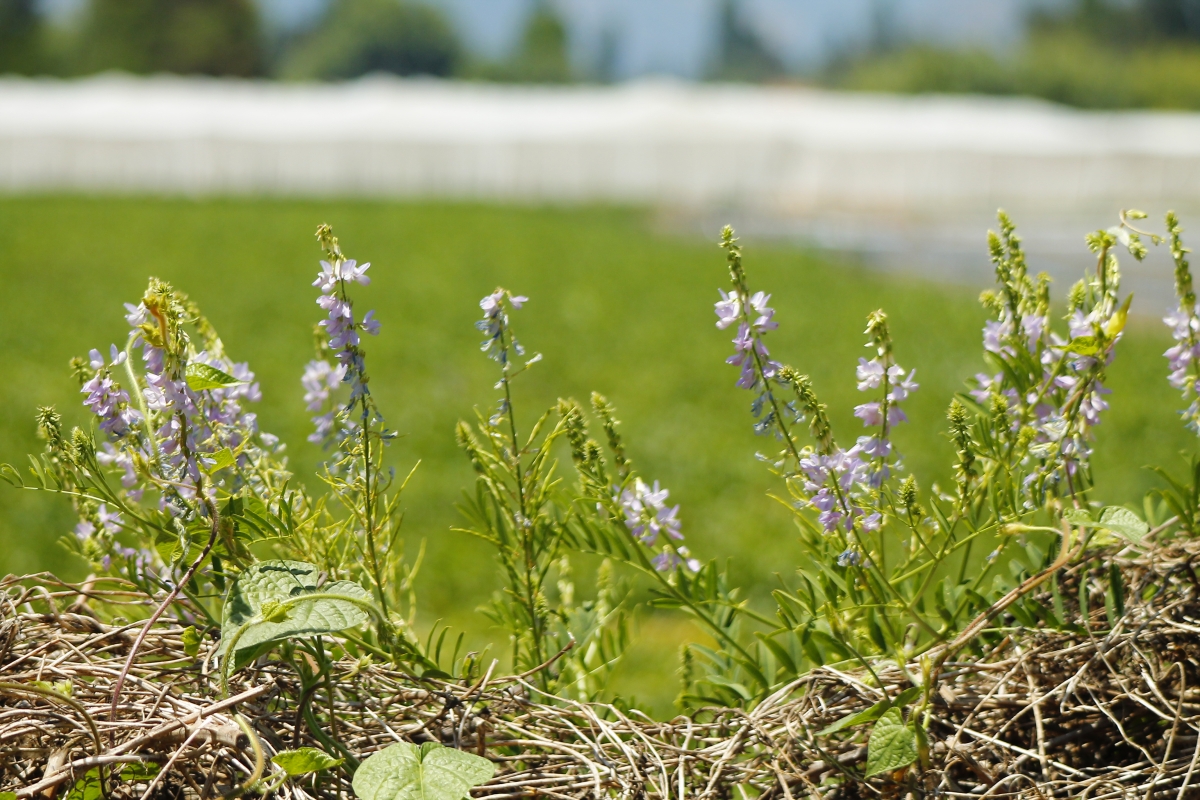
[[892, 746], [87, 787], [192, 640], [405, 771], [1117, 519], [874, 712], [267, 603], [304, 760], [202, 376], [1123, 522]]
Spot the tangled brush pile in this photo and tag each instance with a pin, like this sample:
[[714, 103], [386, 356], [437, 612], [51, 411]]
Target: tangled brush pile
[[1096, 709]]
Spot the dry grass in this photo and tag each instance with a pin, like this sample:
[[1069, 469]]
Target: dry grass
[[1096, 710]]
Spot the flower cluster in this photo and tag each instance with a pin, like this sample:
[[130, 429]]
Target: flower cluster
[[754, 318], [106, 399], [321, 378], [497, 337], [99, 533], [1051, 387], [884, 375], [500, 343], [185, 427], [647, 515], [339, 322]]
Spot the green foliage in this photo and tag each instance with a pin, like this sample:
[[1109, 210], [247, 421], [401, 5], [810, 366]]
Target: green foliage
[[429, 771], [742, 56], [893, 744], [272, 601], [21, 44], [304, 761], [191, 641], [210, 37], [203, 376], [89, 787], [675, 407], [1099, 55], [540, 57], [361, 36]]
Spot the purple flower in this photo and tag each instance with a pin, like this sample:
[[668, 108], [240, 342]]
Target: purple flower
[[874, 446], [871, 414], [110, 403], [728, 308], [495, 323], [341, 271], [902, 387], [869, 374], [647, 515], [764, 321], [370, 324]]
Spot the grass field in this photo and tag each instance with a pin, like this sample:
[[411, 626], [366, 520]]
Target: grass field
[[615, 307]]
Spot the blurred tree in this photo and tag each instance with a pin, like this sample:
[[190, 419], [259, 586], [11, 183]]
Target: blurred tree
[[210, 37], [361, 36], [20, 37], [741, 54], [542, 55]]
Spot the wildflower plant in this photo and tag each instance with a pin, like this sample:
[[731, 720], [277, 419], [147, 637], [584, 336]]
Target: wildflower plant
[[178, 491]]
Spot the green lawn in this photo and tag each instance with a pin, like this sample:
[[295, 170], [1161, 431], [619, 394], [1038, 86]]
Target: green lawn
[[615, 307]]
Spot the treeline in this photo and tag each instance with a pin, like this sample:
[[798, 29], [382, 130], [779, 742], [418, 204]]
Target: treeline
[[227, 37], [1098, 54]]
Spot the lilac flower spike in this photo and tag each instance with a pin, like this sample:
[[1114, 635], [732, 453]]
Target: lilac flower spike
[[647, 515], [494, 326], [754, 318], [341, 328]]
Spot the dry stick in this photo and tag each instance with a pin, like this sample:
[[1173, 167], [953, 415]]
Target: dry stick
[[1174, 729], [162, 608]]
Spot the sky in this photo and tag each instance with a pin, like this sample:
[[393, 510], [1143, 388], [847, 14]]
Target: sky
[[632, 38], [623, 39]]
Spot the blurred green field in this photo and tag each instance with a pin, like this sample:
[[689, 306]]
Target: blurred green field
[[616, 307]]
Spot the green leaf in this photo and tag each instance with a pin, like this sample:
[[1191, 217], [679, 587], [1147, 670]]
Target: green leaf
[[1117, 323], [191, 641], [140, 771], [893, 744], [1079, 517], [404, 771], [202, 376], [304, 761], [87, 787], [266, 603], [1084, 345], [1123, 522], [8, 796], [221, 459], [874, 712]]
